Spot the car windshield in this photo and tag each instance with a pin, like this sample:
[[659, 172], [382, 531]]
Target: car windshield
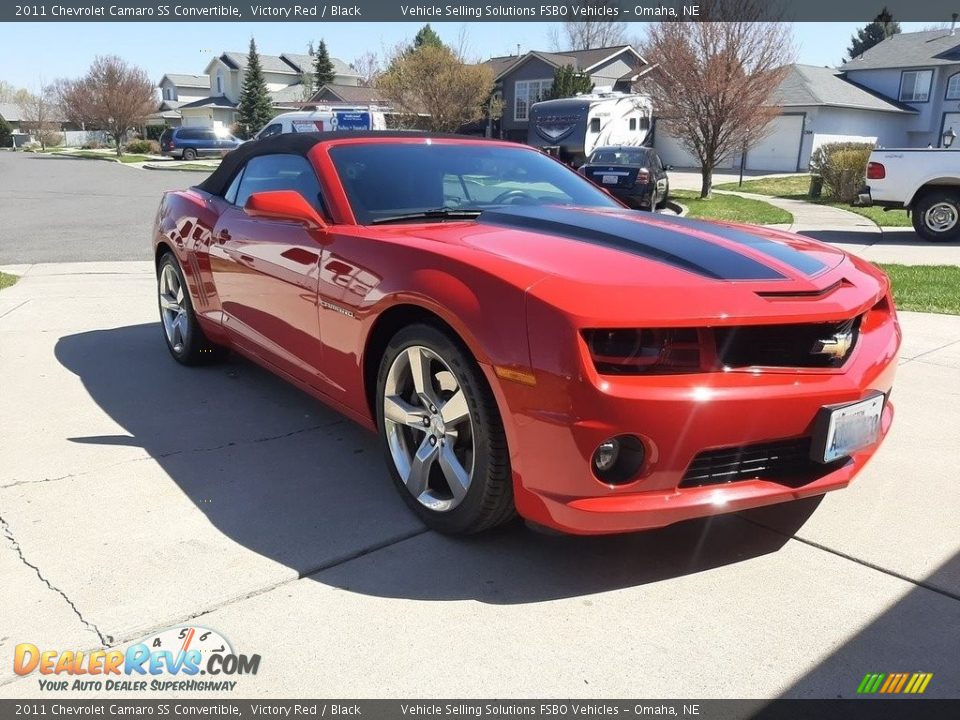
[[435, 181], [620, 157]]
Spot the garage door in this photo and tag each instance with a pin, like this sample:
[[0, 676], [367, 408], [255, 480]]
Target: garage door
[[779, 150], [670, 150]]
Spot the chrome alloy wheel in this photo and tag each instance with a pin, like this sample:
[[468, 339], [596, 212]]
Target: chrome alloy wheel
[[941, 217], [429, 428], [172, 309]]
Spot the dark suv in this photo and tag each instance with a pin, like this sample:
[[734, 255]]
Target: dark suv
[[190, 143]]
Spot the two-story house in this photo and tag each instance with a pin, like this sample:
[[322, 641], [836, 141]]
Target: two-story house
[[921, 70], [521, 80], [217, 107]]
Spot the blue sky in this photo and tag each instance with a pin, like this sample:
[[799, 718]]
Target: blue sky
[[32, 54]]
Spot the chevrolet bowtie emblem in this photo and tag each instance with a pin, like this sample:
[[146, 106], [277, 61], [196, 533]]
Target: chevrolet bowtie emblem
[[836, 347]]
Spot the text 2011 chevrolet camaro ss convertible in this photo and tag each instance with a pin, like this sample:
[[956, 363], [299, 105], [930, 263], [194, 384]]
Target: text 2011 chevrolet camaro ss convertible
[[521, 341]]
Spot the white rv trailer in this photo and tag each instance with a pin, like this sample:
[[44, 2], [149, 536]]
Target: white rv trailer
[[572, 127]]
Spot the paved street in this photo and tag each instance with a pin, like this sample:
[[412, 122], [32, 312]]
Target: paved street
[[136, 495], [61, 210]]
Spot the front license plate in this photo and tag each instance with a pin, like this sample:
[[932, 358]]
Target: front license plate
[[610, 179], [844, 429]]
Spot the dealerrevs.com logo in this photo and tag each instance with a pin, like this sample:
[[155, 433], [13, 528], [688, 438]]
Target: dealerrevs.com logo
[[179, 659]]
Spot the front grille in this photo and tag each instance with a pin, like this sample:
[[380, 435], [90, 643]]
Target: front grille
[[786, 461], [811, 345]]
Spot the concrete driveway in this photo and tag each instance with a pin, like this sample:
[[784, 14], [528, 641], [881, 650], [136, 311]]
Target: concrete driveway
[[136, 495]]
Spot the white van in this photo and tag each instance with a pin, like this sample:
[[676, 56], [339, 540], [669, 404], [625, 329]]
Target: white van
[[328, 119]]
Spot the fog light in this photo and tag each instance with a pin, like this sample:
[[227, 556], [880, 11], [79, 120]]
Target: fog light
[[606, 455], [618, 459]]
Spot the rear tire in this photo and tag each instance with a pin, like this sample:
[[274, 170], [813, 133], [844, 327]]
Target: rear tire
[[442, 433], [181, 331], [936, 215], [189, 154]]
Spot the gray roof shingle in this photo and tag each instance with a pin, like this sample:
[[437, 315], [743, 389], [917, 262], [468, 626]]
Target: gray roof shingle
[[269, 63], [349, 94], [931, 47], [304, 63], [184, 80], [10, 112], [579, 59], [811, 85]]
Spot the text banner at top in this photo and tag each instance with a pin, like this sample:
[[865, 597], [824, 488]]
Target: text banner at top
[[935, 12]]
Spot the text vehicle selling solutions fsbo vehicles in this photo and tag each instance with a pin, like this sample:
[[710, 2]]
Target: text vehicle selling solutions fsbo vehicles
[[522, 342]]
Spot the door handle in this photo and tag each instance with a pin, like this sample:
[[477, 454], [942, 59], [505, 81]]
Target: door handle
[[223, 237]]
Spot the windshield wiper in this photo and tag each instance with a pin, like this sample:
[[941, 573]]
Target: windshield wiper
[[437, 214]]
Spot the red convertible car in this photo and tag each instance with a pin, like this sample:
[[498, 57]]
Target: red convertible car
[[521, 341]]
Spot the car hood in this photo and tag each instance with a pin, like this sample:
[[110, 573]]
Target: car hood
[[616, 264]]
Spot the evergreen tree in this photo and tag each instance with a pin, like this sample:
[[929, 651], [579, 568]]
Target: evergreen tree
[[426, 37], [6, 133], [323, 73], [567, 82], [255, 108], [882, 27]]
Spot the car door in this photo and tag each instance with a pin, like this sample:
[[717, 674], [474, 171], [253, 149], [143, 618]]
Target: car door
[[660, 173], [209, 143], [266, 270]]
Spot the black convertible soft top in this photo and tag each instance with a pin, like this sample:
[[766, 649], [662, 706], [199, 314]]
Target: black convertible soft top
[[298, 143]]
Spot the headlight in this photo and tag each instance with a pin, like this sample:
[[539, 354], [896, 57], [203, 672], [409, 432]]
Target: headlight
[[621, 351]]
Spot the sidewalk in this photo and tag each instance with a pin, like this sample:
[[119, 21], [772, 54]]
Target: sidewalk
[[858, 235]]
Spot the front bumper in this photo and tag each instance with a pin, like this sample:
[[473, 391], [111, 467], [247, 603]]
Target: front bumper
[[555, 427]]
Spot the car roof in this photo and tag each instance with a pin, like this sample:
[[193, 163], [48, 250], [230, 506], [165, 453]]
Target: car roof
[[301, 143]]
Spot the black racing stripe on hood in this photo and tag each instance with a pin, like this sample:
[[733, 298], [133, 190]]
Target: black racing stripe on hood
[[798, 260], [616, 230]]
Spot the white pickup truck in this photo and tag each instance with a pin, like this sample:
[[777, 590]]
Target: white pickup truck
[[925, 182]]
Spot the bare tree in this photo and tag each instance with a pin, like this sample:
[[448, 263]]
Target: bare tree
[[368, 67], [113, 96], [436, 82], [587, 34], [38, 114], [715, 82]]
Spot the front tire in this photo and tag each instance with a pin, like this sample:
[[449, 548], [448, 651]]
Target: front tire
[[183, 334], [442, 433], [936, 216]]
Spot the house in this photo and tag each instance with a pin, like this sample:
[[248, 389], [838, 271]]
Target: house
[[921, 70], [348, 95], [817, 106], [523, 79], [217, 105], [178, 89]]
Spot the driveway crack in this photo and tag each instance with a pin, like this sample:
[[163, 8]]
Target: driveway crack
[[105, 640]]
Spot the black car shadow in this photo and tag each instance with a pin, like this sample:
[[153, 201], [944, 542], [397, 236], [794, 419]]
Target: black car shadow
[[291, 478]]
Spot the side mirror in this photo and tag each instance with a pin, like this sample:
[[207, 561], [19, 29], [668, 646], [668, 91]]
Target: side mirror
[[284, 205]]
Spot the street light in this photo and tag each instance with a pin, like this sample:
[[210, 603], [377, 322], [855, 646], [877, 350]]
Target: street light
[[948, 137]]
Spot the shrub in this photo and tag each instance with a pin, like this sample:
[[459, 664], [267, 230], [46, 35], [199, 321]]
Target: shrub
[[92, 145], [6, 134], [142, 147], [842, 167], [50, 138]]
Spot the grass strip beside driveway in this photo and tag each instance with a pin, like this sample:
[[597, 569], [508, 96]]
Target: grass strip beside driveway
[[6, 280], [925, 288], [731, 208], [797, 187]]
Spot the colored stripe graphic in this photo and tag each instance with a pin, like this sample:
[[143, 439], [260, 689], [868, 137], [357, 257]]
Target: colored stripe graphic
[[894, 683]]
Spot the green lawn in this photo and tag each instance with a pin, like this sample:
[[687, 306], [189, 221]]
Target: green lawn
[[731, 207], [925, 288], [111, 156], [796, 187], [6, 280]]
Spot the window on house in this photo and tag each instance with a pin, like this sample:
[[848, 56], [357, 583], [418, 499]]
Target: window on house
[[915, 85], [219, 83], [526, 93], [953, 87]]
